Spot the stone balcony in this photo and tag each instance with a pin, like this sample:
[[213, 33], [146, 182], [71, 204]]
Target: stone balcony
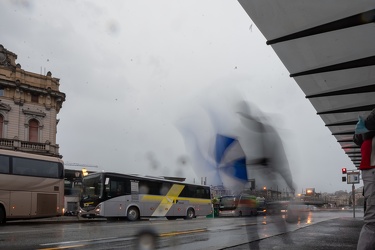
[[30, 147]]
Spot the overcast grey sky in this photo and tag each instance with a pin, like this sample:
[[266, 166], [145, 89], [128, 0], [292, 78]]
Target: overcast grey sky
[[133, 71]]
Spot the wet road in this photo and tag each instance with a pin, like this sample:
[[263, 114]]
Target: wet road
[[200, 233]]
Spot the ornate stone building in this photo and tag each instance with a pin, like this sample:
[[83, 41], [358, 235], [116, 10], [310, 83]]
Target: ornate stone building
[[29, 104]]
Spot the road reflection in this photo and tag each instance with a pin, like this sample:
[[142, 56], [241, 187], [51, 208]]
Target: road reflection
[[200, 233]]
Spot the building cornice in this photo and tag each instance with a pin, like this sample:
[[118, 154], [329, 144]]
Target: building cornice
[[29, 88], [33, 113]]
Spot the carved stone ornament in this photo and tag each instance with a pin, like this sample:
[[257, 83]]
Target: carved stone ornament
[[33, 113], [3, 56], [5, 107]]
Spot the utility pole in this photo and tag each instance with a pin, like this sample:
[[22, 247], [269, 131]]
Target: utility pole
[[353, 195]]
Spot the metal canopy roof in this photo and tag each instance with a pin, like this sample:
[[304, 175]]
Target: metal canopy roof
[[328, 47]]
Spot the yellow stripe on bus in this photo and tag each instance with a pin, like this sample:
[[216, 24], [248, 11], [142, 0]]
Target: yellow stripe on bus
[[157, 198], [175, 190], [196, 200], [166, 201]]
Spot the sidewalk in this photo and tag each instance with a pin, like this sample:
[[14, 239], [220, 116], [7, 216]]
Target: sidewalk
[[61, 219], [341, 233]]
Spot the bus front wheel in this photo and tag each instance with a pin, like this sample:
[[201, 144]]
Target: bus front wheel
[[190, 214], [133, 214], [2, 216]]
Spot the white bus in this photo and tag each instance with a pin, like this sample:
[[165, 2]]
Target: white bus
[[31, 186], [114, 195]]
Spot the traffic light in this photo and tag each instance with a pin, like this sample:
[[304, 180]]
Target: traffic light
[[344, 179], [343, 170]]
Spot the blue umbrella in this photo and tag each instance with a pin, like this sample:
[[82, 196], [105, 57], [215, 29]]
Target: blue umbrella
[[230, 162]]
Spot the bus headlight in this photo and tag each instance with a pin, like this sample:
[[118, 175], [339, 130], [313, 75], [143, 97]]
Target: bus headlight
[[97, 209]]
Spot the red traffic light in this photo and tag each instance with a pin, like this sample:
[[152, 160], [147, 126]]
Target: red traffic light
[[343, 170]]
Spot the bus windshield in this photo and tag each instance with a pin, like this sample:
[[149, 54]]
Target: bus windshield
[[92, 187], [228, 202]]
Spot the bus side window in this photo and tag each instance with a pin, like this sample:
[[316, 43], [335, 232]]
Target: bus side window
[[112, 189], [200, 192], [107, 192], [116, 188], [119, 189], [164, 188], [127, 187], [4, 164]]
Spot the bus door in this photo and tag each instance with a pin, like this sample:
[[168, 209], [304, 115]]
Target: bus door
[[116, 192]]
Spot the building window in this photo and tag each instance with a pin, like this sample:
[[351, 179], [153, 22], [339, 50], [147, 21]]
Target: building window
[[1, 126], [1, 91], [34, 98], [33, 130]]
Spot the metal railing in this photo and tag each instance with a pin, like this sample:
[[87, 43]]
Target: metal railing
[[29, 147]]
